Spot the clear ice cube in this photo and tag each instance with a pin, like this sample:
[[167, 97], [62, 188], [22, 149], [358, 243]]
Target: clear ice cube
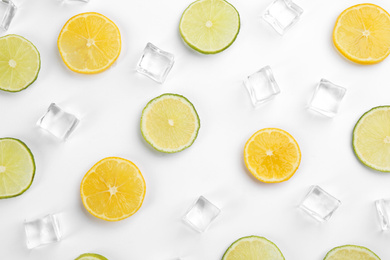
[[282, 15], [319, 204], [7, 13], [327, 98], [42, 231], [155, 63], [58, 122], [261, 86], [383, 209], [200, 215]]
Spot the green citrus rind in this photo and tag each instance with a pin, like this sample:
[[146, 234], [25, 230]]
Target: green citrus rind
[[249, 238], [91, 256], [150, 141], [28, 83], [331, 255], [215, 51], [354, 139], [28, 151]]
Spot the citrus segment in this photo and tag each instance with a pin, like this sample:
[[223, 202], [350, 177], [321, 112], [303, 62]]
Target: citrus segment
[[89, 43], [253, 248], [351, 252], [209, 26], [170, 123], [20, 63], [90, 256], [272, 155], [17, 167], [371, 138], [362, 33], [113, 189]]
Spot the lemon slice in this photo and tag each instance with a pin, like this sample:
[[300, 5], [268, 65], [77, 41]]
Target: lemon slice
[[170, 123], [113, 189], [90, 256], [253, 248], [272, 155], [351, 252], [371, 138], [20, 63], [89, 43], [17, 167], [362, 34], [209, 26]]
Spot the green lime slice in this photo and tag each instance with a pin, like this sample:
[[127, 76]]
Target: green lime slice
[[209, 26], [371, 138], [170, 123], [91, 256], [17, 167], [20, 63], [351, 252], [253, 248]]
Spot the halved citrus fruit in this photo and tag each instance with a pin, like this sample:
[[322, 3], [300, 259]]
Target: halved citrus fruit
[[17, 167], [170, 123], [209, 26], [91, 256], [89, 43], [113, 189], [362, 33], [253, 248], [20, 63], [272, 155], [371, 138], [351, 252]]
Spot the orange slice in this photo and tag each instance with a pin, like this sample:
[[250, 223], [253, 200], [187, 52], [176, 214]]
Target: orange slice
[[89, 43], [362, 34], [272, 155], [113, 189]]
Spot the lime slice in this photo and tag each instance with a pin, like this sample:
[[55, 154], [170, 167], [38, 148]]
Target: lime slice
[[170, 123], [351, 252], [17, 167], [371, 138], [90, 256], [210, 26], [253, 248], [19, 63]]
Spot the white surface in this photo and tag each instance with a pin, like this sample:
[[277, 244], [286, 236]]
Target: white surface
[[110, 104]]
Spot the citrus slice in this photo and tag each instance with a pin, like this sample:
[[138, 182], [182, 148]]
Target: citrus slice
[[362, 34], [17, 167], [371, 138], [209, 26], [351, 252], [272, 155], [113, 189], [170, 123], [90, 256], [253, 248], [20, 63], [89, 43]]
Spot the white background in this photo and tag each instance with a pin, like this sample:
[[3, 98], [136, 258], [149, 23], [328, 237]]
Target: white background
[[110, 104]]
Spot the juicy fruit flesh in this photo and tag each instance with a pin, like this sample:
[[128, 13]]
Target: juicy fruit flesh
[[113, 189], [89, 43], [209, 25], [253, 248], [19, 63], [372, 138], [16, 168], [351, 253], [362, 33], [272, 155], [170, 123]]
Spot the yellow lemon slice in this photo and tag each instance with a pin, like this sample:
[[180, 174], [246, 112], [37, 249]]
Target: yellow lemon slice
[[113, 189], [362, 34], [89, 43], [351, 252]]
